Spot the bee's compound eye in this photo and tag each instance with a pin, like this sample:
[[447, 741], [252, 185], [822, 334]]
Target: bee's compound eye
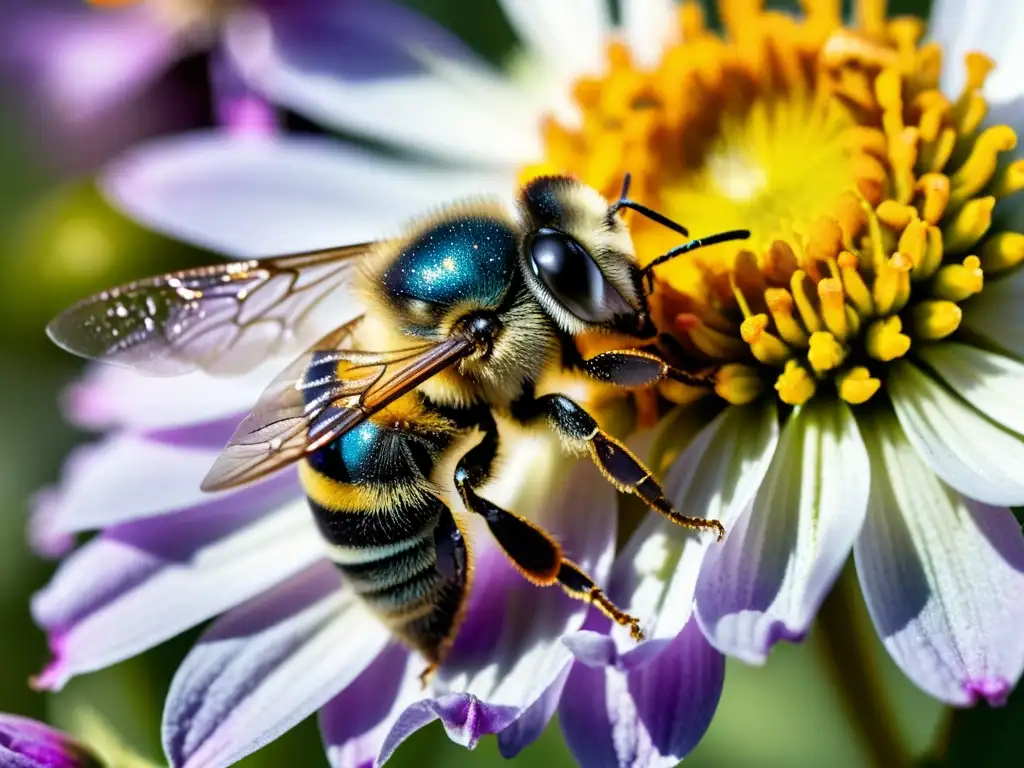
[[573, 277]]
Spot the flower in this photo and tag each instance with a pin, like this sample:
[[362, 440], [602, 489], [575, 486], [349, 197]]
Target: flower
[[26, 743], [813, 445], [87, 63]]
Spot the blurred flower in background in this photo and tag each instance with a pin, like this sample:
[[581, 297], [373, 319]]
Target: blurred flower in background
[[26, 743], [869, 339]]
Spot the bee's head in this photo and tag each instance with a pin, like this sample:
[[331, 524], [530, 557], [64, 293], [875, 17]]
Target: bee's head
[[578, 256]]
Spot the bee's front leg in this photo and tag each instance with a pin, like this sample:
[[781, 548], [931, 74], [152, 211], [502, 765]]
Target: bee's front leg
[[622, 468], [637, 368]]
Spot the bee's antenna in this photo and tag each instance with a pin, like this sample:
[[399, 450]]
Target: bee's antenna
[[692, 245], [643, 210]]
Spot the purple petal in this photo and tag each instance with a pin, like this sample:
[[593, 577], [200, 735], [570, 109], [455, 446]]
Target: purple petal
[[943, 577], [653, 715], [381, 70], [765, 582], [258, 196], [26, 743], [239, 109], [531, 723], [267, 665], [356, 722], [139, 584], [130, 477], [83, 61]]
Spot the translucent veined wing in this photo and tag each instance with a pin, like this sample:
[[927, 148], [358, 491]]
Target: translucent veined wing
[[224, 318], [322, 395]]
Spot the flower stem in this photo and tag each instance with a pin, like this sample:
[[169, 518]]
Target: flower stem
[[844, 638]]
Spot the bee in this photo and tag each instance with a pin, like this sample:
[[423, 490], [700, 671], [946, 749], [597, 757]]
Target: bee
[[463, 315]]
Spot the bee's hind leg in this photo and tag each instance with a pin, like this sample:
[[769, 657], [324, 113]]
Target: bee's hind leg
[[532, 550], [623, 469]]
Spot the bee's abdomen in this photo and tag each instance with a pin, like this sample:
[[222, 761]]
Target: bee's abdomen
[[393, 539]]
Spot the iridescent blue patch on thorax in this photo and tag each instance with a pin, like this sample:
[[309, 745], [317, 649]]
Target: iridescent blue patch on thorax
[[466, 259]]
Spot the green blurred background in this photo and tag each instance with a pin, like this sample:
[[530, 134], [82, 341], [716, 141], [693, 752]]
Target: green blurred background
[[836, 700]]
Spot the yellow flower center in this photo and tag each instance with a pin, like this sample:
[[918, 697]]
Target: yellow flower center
[[868, 193]]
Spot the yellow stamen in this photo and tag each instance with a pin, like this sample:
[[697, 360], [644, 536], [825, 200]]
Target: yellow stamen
[[933, 252], [799, 288], [969, 224], [1002, 251], [854, 285], [780, 304], [956, 282], [857, 385], [833, 306], [1009, 181], [738, 384], [826, 353], [978, 168], [885, 339], [795, 385], [936, 319], [767, 347], [892, 285]]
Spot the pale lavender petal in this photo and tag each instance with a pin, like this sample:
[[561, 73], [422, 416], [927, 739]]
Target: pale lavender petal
[[989, 26], [44, 538], [569, 36], [716, 476], [653, 715], [943, 577], [109, 396], [257, 196], [765, 582], [139, 584], [267, 665], [976, 457], [465, 718], [83, 61], [649, 27], [356, 722], [129, 477], [376, 68], [990, 382]]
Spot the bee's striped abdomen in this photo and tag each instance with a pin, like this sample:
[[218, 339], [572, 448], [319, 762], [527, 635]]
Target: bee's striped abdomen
[[394, 540]]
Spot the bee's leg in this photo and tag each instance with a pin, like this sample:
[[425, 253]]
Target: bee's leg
[[637, 368], [624, 470], [531, 549]]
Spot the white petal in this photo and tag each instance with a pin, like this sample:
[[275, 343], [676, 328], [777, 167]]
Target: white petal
[[108, 396], [997, 314], [961, 446], [266, 666], [655, 575], [139, 584], [992, 383], [569, 34], [989, 26], [127, 477], [766, 580], [380, 70], [255, 196], [943, 577], [650, 26]]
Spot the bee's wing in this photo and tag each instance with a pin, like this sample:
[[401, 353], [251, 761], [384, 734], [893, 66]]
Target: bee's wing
[[225, 318], [323, 394]]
